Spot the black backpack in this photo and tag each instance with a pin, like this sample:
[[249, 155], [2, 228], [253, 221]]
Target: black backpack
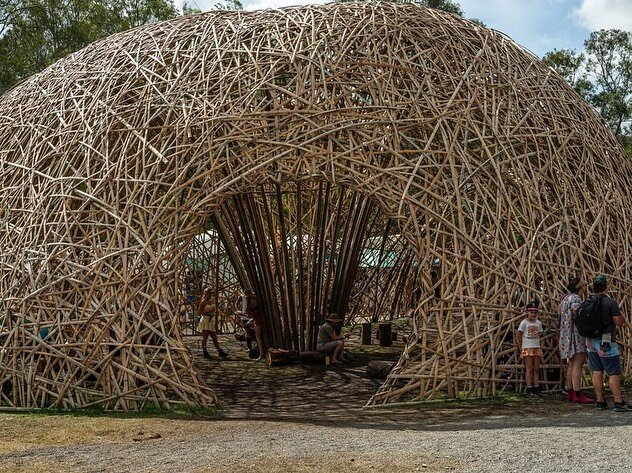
[[589, 319]]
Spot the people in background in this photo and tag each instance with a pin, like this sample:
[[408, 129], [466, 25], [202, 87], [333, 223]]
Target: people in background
[[572, 345], [528, 340], [208, 325], [328, 341], [250, 306]]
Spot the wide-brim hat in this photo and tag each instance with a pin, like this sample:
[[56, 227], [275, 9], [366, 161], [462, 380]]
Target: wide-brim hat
[[334, 318]]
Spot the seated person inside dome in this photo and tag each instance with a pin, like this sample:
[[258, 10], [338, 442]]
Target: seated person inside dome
[[329, 342]]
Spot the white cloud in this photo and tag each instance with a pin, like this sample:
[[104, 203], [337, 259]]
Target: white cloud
[[605, 14]]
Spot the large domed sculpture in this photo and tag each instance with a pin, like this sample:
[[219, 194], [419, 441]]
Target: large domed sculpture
[[497, 174]]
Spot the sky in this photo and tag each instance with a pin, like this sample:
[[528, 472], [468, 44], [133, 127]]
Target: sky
[[538, 25]]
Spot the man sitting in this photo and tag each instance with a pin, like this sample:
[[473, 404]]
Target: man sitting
[[329, 341]]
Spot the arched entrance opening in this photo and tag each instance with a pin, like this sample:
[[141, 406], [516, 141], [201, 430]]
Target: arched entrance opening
[[307, 249]]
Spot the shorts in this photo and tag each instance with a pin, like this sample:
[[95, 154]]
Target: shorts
[[526, 352], [207, 324], [329, 347], [611, 364]]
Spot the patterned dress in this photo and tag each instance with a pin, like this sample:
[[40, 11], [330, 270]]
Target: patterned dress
[[571, 342]]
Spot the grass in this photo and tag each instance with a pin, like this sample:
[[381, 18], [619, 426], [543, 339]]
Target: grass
[[505, 399], [48, 428], [149, 411]]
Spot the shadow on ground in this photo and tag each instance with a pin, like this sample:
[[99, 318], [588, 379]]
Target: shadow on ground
[[250, 389], [336, 396]]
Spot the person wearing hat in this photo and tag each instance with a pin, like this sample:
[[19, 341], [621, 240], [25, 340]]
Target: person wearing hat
[[571, 344], [329, 342], [603, 352], [528, 339]]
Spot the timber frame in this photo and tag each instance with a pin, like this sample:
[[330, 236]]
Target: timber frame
[[499, 177]]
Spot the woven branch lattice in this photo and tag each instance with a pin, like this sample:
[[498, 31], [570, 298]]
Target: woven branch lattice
[[497, 174]]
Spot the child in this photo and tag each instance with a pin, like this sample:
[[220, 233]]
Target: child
[[529, 345]]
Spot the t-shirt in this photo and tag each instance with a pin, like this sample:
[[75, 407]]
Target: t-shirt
[[325, 334], [531, 331], [609, 309]]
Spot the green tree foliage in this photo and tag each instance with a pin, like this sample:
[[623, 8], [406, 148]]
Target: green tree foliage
[[571, 66], [188, 9], [36, 33], [610, 61], [228, 5], [444, 5], [603, 76]]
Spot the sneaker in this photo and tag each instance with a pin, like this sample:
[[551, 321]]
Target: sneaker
[[622, 407], [206, 355], [222, 354], [537, 389], [581, 398], [528, 391], [570, 396], [602, 406]]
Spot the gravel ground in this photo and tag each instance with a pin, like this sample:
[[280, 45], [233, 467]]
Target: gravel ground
[[310, 419], [577, 441]]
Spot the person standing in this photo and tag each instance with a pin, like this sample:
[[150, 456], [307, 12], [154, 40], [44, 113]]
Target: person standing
[[528, 340], [208, 324], [572, 345], [603, 352], [253, 311]]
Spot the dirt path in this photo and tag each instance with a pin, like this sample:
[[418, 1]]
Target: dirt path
[[251, 390]]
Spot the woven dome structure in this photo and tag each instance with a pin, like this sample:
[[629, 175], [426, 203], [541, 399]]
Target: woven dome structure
[[499, 177]]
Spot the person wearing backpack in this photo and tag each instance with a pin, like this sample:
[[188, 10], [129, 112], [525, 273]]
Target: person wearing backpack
[[572, 345], [603, 350]]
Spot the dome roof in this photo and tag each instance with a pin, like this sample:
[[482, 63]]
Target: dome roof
[[110, 156]]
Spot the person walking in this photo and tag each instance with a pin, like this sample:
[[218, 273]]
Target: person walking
[[571, 344], [208, 324], [603, 352]]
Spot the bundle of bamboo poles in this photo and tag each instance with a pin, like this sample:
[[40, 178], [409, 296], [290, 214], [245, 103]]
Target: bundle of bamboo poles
[[310, 250], [499, 178]]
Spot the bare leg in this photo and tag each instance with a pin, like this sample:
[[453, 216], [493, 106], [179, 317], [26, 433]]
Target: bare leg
[[259, 337], [569, 373], [204, 339], [615, 386], [215, 341], [528, 366], [337, 358], [597, 379], [536, 370], [577, 365]]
